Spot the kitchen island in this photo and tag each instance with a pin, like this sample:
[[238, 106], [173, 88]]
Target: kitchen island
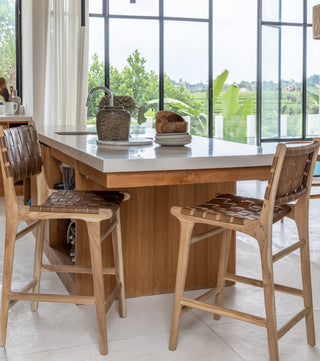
[[157, 177]]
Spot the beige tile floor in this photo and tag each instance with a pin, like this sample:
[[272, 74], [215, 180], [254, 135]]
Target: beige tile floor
[[68, 332]]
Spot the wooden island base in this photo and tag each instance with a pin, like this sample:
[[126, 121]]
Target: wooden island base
[[150, 233]]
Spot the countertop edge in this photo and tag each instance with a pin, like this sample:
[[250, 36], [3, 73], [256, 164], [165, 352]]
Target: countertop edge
[[158, 164]]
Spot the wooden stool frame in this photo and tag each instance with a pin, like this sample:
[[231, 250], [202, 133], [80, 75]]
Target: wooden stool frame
[[285, 160], [16, 213]]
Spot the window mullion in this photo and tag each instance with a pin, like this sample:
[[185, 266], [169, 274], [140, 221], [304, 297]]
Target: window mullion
[[106, 43], [210, 71], [259, 74], [18, 49], [161, 56], [304, 71]]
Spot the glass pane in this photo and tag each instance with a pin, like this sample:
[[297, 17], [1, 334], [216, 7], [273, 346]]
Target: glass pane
[[235, 50], [291, 80], [292, 11], [289, 122], [313, 81], [310, 5], [134, 62], [186, 8], [7, 44], [140, 7], [186, 72], [95, 7], [270, 82], [270, 10], [96, 74]]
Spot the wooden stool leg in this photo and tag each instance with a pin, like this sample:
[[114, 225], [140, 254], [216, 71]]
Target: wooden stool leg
[[307, 292], [185, 236], [269, 298], [118, 261], [11, 230], [38, 262], [96, 264], [223, 264], [302, 225]]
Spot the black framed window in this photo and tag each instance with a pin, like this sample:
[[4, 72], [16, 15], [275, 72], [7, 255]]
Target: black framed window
[[234, 64], [288, 74], [249, 75], [10, 44], [156, 51]]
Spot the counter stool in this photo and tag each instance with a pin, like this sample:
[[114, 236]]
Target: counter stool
[[21, 159], [287, 194]]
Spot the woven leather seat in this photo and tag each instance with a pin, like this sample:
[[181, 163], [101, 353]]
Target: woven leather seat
[[229, 208], [287, 194], [90, 202], [20, 160]]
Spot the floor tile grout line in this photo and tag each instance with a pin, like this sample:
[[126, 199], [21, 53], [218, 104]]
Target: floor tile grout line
[[219, 336], [5, 353], [210, 327], [55, 349]]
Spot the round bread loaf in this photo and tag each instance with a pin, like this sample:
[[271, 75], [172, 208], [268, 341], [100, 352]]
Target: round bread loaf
[[170, 122]]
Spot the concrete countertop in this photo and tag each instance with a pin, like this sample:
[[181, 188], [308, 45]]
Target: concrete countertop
[[202, 153]]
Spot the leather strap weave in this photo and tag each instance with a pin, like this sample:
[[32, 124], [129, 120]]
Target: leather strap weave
[[87, 202], [21, 152], [229, 208]]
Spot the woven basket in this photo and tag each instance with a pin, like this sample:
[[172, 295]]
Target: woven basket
[[113, 123]]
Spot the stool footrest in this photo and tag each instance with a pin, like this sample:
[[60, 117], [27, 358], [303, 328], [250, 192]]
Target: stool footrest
[[46, 297], [202, 298], [108, 230], [258, 283], [207, 234], [75, 269], [113, 295], [294, 320], [256, 320], [25, 289], [27, 230], [287, 251]]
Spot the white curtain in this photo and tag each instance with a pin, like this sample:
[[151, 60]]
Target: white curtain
[[34, 44], [66, 69]]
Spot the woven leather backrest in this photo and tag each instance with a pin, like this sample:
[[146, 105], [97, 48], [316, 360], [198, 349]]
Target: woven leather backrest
[[295, 172], [21, 152]]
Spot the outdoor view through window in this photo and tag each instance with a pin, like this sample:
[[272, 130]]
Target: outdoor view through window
[[141, 44], [168, 53], [290, 70], [137, 46], [7, 43]]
